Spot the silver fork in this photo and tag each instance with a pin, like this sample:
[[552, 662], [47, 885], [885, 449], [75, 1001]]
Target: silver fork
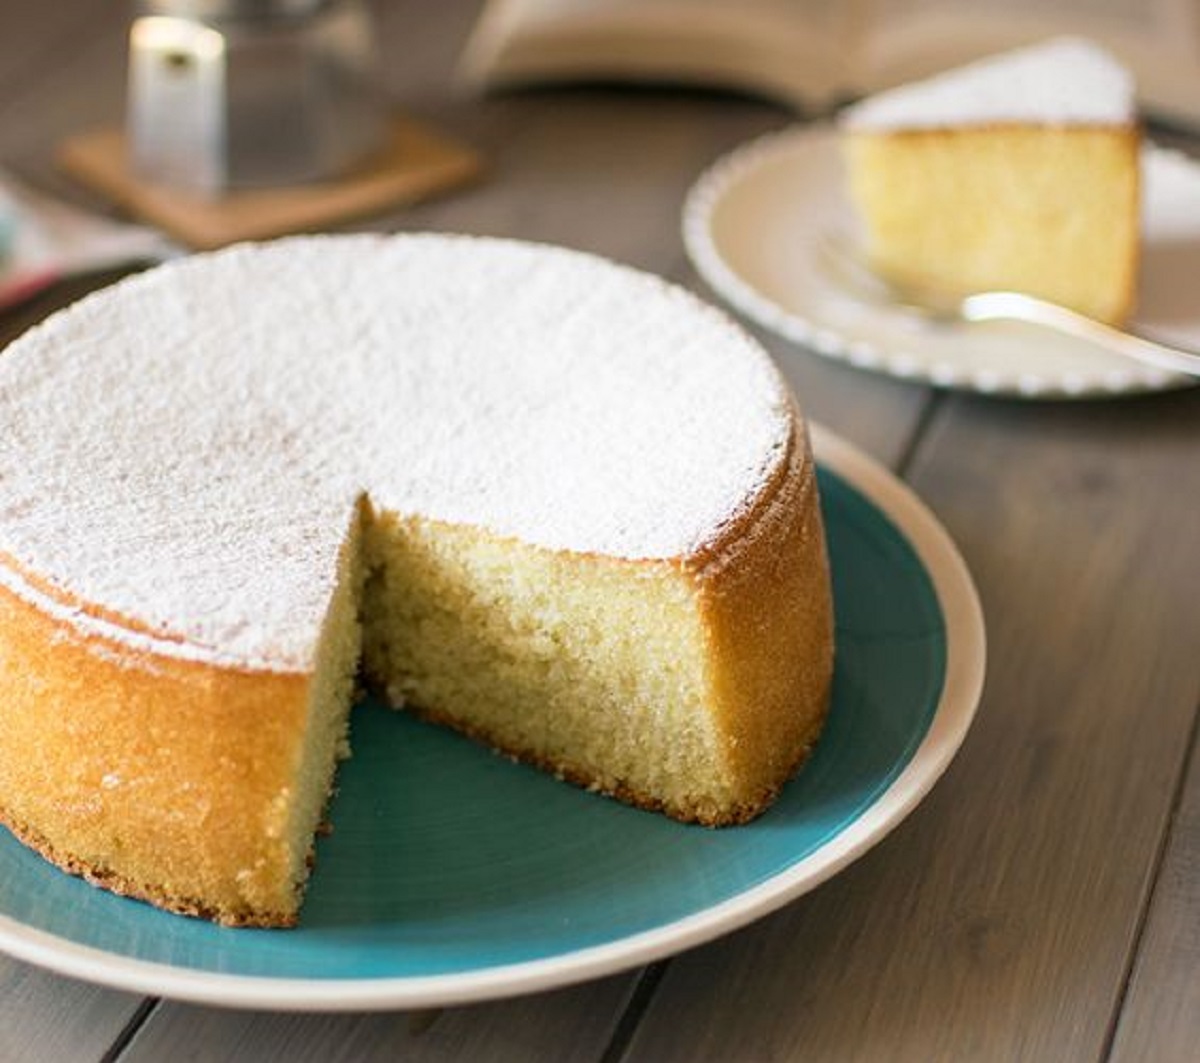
[[847, 266]]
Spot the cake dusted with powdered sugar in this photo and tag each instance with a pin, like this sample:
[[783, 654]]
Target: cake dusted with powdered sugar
[[1020, 172], [551, 502]]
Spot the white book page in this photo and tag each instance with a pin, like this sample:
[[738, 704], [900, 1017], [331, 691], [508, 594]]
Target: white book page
[[1159, 40], [796, 50]]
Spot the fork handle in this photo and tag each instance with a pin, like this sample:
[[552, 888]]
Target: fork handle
[[1015, 306]]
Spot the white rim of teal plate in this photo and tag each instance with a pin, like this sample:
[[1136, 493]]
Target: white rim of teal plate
[[899, 357], [963, 684]]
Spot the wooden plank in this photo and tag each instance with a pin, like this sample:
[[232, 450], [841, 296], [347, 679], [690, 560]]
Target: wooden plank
[[998, 922], [568, 1025], [1161, 1017], [47, 1018]]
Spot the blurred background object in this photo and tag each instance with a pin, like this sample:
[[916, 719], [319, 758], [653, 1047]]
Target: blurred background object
[[44, 240], [237, 93]]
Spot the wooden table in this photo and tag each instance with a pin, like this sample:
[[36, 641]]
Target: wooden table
[[1042, 904]]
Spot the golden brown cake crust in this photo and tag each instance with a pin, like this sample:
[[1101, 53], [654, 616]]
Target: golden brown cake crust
[[767, 603], [156, 777], [117, 883]]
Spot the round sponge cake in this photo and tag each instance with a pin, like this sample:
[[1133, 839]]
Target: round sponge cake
[[554, 503]]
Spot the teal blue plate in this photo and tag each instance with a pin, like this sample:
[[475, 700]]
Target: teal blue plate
[[455, 875]]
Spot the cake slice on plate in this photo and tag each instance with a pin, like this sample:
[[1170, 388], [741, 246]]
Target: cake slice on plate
[[1016, 172]]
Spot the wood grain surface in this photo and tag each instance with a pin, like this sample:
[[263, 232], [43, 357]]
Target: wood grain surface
[[1161, 1015], [46, 1017], [1042, 903]]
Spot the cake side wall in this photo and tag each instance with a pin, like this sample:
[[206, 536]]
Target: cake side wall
[[156, 777], [768, 610]]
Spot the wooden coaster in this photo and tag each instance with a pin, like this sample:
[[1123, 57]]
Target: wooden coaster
[[416, 163]]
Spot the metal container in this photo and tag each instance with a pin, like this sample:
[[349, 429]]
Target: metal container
[[226, 93]]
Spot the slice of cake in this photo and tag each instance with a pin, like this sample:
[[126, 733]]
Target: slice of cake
[[1018, 172], [555, 504]]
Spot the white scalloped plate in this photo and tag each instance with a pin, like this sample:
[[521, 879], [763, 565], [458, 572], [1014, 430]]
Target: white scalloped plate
[[752, 225]]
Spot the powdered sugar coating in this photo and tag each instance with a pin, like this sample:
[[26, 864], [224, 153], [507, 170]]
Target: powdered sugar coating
[[1062, 81], [186, 449]]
